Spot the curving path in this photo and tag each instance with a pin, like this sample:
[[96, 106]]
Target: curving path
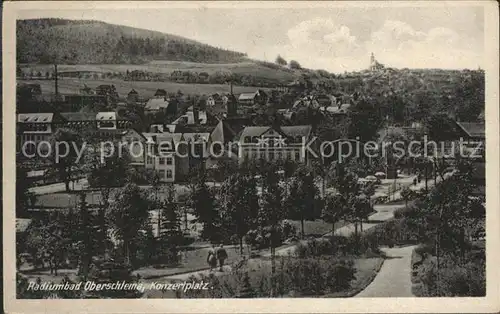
[[394, 278]]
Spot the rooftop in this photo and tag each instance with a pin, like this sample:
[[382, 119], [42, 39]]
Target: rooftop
[[35, 117], [247, 96], [157, 104], [289, 131], [473, 129]]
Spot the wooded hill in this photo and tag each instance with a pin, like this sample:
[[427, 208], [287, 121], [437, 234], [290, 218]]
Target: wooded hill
[[95, 42]]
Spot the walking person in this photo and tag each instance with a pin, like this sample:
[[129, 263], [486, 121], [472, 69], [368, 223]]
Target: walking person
[[212, 259], [221, 256]]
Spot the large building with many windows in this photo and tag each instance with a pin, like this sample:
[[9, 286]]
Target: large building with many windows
[[275, 143]]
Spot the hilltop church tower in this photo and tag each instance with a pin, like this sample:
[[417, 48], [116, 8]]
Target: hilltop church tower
[[374, 64]]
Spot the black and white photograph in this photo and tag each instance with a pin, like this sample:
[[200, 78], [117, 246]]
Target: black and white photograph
[[217, 151]]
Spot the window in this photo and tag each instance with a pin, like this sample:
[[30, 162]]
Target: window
[[280, 155], [297, 155], [169, 160], [161, 161], [161, 173], [169, 174]]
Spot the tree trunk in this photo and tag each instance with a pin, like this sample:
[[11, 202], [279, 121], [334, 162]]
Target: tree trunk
[[302, 227], [66, 185], [241, 245]]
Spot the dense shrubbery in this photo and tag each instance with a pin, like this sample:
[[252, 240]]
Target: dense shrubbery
[[457, 278], [353, 245], [261, 238], [294, 277]]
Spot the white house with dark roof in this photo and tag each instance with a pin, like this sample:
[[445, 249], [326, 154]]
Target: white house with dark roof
[[275, 143], [35, 127]]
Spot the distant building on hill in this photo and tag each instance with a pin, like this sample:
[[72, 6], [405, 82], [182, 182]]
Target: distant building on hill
[[374, 64]]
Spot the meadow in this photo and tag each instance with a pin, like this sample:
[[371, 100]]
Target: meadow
[[145, 89], [249, 67]]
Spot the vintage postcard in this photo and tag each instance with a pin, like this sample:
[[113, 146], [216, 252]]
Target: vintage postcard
[[253, 156]]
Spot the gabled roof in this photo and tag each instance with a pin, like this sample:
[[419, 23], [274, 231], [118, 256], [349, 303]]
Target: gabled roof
[[134, 131], [22, 224], [289, 131], [133, 92], [247, 96], [157, 104], [35, 117], [297, 130], [473, 129], [254, 131], [161, 92]]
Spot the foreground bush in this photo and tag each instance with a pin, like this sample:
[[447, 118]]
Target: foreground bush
[[354, 245], [293, 277], [457, 278]]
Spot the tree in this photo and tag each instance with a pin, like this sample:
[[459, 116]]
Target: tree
[[369, 191], [280, 60], [335, 210], [106, 172], [294, 65], [64, 158], [170, 234], [204, 208], [362, 209], [271, 214], [406, 194], [87, 226], [239, 205], [48, 241], [127, 215], [301, 195]]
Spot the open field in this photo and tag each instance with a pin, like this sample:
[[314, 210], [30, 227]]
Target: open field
[[145, 89], [245, 67]]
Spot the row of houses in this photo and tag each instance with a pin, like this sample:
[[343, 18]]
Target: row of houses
[[173, 149]]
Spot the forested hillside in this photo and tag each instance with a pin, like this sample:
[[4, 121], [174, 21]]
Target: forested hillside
[[94, 42]]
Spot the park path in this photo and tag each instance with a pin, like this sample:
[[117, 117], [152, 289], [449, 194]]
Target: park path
[[383, 212], [394, 278]]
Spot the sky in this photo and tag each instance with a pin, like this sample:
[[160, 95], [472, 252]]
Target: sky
[[337, 39]]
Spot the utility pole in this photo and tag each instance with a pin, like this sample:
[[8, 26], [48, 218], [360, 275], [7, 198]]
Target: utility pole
[[56, 82]]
